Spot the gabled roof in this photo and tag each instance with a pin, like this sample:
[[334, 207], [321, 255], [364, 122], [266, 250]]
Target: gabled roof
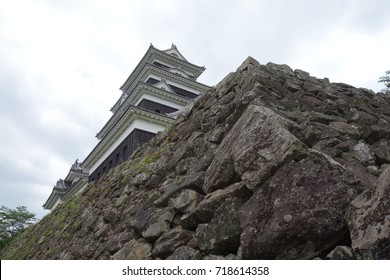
[[58, 190], [149, 69], [61, 185], [175, 52], [164, 86], [153, 53], [76, 172], [52, 199], [80, 184], [62, 192], [130, 101]]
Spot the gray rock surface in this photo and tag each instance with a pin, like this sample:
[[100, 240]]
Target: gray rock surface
[[369, 221], [382, 150], [222, 233], [170, 241], [185, 253], [134, 250], [341, 253], [299, 213], [240, 158]]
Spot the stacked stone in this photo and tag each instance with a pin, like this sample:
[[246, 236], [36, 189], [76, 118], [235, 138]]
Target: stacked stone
[[270, 164]]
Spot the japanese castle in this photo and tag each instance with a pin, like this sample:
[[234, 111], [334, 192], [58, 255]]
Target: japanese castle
[[161, 86]]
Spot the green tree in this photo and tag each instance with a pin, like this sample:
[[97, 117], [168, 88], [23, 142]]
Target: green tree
[[13, 222], [386, 80]]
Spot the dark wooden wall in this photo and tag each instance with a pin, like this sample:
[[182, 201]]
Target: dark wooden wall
[[135, 139], [155, 107]]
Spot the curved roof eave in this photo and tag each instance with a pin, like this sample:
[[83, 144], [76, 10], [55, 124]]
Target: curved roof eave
[[149, 52], [132, 110]]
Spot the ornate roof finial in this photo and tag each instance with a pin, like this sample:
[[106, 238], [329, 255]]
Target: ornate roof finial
[[173, 46]]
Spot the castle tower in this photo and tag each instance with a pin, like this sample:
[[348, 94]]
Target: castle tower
[[162, 83]]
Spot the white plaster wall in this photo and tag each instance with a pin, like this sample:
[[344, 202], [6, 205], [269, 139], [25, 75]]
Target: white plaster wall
[[158, 100], [140, 124]]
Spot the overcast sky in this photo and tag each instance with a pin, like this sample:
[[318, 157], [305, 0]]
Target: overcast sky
[[62, 63]]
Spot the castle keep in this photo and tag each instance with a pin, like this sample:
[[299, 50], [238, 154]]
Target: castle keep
[[161, 85]]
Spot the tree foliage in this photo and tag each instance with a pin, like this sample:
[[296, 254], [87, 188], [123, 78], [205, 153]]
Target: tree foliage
[[13, 222], [386, 80]]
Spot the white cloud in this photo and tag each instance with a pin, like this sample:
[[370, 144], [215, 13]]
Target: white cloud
[[346, 56]]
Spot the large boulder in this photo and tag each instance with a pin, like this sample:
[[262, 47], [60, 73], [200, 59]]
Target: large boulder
[[222, 233], [299, 213], [134, 250], [173, 187], [258, 144], [341, 253], [206, 208], [382, 150], [170, 241], [185, 253], [369, 221], [152, 222]]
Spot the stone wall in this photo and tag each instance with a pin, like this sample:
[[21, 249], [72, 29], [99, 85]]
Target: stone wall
[[270, 164]]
